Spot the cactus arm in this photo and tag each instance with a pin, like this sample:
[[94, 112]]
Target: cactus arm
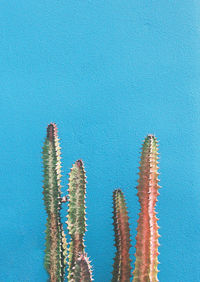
[[76, 213], [147, 231], [82, 270], [55, 254], [121, 266]]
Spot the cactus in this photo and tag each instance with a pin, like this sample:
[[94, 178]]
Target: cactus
[[79, 269], [121, 267], [76, 214], [82, 270], [55, 252], [147, 231]]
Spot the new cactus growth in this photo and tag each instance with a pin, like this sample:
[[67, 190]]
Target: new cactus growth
[[82, 270], [76, 214], [122, 266], [55, 253], [147, 231]]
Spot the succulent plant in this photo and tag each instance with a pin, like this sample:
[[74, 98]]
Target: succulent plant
[[122, 262], [147, 231], [55, 252], [79, 269], [76, 220]]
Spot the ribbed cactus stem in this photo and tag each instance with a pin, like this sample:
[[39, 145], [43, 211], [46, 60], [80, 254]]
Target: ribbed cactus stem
[[122, 266], [55, 252], [76, 213], [147, 231], [82, 270]]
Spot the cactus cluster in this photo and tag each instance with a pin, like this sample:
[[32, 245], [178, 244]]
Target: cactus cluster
[[59, 254]]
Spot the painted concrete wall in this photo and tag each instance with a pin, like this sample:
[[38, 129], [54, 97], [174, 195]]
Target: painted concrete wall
[[108, 73]]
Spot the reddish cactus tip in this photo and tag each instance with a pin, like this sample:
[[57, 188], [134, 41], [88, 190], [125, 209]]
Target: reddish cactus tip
[[117, 190], [52, 124], [52, 131], [150, 136], [79, 163]]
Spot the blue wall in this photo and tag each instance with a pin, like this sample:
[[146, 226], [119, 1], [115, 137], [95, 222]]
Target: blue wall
[[108, 73]]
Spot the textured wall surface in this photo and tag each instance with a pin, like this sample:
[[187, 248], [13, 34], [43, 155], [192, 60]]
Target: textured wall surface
[[108, 73]]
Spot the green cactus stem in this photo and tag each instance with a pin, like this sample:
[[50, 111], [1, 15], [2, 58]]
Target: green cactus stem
[[82, 270], [55, 252], [122, 262], [76, 220], [147, 231]]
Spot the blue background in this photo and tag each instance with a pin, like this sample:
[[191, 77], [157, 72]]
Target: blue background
[[108, 73]]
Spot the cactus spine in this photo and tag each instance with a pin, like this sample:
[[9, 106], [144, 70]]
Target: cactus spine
[[147, 231], [76, 214], [55, 252], [121, 267]]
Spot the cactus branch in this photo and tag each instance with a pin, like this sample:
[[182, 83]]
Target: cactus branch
[[121, 267], [76, 213], [147, 231], [55, 253], [82, 269]]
